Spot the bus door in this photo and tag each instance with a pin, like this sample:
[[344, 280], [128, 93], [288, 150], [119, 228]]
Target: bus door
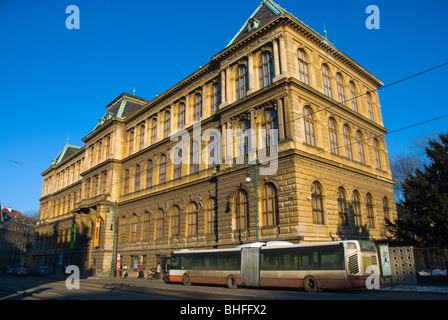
[[250, 267]]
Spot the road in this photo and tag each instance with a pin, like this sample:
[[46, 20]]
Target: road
[[12, 288]]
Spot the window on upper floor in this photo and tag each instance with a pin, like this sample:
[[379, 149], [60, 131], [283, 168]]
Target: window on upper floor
[[303, 67], [167, 124], [347, 142], [360, 144], [341, 91], [269, 126], [376, 149], [162, 169], [241, 82], [369, 106], [265, 69], [181, 116], [216, 98], [333, 137], [154, 131], [326, 81], [353, 96], [197, 112], [149, 173], [309, 126]]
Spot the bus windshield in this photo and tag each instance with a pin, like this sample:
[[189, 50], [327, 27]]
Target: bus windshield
[[367, 246], [175, 262]]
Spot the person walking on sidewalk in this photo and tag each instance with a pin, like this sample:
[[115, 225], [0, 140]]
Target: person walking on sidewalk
[[158, 271]]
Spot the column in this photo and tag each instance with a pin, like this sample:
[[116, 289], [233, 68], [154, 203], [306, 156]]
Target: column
[[275, 55], [251, 74]]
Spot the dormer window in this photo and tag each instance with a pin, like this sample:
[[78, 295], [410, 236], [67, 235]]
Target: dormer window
[[252, 24]]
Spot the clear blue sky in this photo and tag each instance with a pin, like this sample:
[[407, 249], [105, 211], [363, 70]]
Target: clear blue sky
[[56, 82]]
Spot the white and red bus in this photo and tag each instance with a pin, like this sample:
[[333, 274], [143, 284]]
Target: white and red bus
[[311, 266]]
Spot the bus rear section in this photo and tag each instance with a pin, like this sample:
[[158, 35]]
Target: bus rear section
[[217, 267]]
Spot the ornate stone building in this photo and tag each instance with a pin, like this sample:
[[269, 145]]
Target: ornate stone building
[[123, 193]]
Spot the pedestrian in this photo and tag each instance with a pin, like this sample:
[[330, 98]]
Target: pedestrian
[[140, 271], [125, 271], [158, 271]]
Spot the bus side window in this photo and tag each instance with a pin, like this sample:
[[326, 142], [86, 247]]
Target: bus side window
[[309, 259], [269, 260], [289, 260], [185, 262]]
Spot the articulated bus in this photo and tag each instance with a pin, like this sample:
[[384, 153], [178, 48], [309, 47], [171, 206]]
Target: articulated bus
[[312, 266]]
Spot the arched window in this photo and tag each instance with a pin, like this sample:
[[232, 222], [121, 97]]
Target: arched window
[[126, 182], [133, 229], [137, 178], [162, 169], [309, 126], [154, 131], [353, 96], [159, 224], [317, 203], [122, 230], [269, 124], [145, 226], [386, 208], [265, 69], [181, 116], [333, 136], [216, 98], [149, 173], [347, 142], [213, 151], [242, 139], [303, 67], [356, 205], [359, 143], [175, 222], [130, 141], [370, 211], [341, 92], [195, 157], [167, 124], [269, 205], [210, 216], [376, 149], [142, 136], [197, 107], [343, 207], [241, 210], [178, 165], [369, 107], [326, 80], [241, 82], [192, 216]]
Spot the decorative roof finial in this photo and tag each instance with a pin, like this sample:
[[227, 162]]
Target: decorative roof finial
[[325, 33]]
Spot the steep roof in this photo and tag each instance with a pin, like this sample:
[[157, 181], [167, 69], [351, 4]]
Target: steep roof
[[122, 107], [266, 11], [65, 153]]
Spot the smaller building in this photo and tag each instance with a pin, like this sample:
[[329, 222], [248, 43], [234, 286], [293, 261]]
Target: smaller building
[[16, 238]]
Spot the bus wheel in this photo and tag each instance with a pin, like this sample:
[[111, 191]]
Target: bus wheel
[[186, 280], [231, 282], [310, 284]]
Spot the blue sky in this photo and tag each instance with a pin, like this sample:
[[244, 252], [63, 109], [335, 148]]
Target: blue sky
[[56, 82]]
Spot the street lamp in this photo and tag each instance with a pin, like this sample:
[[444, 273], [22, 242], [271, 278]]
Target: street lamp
[[113, 227], [255, 185]]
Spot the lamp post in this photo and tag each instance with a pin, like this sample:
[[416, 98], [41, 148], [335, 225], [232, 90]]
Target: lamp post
[[255, 185], [113, 226]]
